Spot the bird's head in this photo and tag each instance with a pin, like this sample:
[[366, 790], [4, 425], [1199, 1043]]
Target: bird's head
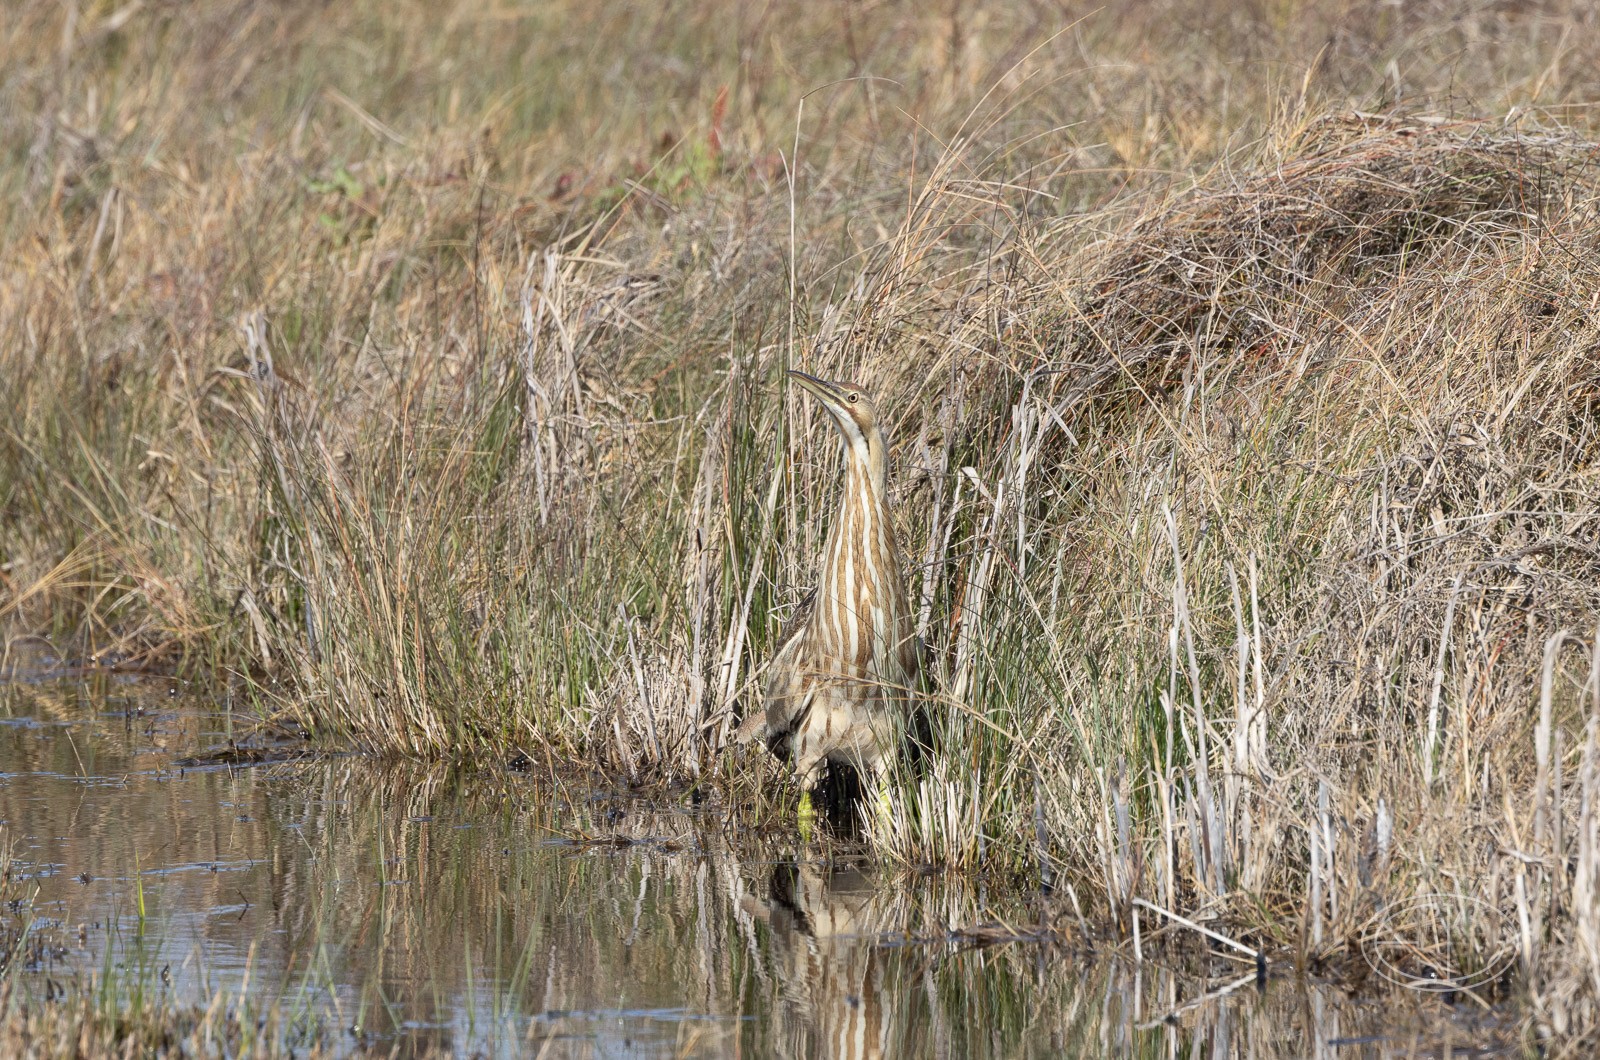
[[847, 403]]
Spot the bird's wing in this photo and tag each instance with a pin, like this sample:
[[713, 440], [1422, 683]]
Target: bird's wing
[[777, 719], [751, 728], [797, 621]]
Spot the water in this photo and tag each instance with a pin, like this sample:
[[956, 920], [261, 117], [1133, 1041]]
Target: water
[[421, 908]]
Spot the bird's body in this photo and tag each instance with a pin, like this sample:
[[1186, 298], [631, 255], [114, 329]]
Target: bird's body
[[840, 684]]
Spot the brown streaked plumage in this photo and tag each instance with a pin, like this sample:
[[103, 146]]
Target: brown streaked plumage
[[840, 684]]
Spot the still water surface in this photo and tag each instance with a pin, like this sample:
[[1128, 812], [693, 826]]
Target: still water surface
[[413, 909]]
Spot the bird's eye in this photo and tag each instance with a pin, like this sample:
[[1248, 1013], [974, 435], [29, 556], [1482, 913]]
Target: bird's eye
[[854, 398]]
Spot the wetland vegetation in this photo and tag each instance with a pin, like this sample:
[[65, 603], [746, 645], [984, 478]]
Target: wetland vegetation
[[406, 379]]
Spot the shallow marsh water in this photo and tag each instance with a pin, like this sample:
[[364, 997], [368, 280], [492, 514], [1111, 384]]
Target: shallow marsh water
[[409, 909]]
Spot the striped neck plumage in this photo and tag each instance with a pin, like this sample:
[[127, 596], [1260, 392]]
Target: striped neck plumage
[[860, 563]]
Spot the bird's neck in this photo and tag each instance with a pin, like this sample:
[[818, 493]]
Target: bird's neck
[[860, 624], [866, 465], [861, 560]]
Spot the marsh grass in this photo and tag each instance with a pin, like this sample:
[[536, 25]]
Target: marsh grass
[[92, 1023], [1242, 447], [125, 1008]]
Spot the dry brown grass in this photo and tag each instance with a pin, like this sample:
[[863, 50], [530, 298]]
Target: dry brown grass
[[422, 368]]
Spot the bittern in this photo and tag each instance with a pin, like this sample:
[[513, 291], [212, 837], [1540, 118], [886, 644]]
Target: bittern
[[840, 684]]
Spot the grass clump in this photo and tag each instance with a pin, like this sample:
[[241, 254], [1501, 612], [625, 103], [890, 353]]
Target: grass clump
[[82, 1022], [1243, 445]]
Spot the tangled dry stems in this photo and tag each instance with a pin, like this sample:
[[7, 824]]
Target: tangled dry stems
[[1247, 500]]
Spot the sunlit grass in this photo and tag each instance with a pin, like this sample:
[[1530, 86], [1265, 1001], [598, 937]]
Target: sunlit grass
[[421, 372]]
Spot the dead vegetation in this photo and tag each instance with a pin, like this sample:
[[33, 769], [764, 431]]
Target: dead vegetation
[[1245, 454]]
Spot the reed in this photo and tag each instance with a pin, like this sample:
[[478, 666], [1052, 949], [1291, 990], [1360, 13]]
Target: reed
[[1244, 447]]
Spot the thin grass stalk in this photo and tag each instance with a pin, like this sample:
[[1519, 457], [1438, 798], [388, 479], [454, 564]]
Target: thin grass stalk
[[1430, 741], [1542, 740], [1212, 866], [1585, 901]]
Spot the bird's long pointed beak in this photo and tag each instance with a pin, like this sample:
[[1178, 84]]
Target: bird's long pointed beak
[[823, 390]]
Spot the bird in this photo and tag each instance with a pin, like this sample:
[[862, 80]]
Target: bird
[[841, 683]]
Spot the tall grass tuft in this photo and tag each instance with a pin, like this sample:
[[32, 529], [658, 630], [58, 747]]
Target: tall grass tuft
[[1243, 447]]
